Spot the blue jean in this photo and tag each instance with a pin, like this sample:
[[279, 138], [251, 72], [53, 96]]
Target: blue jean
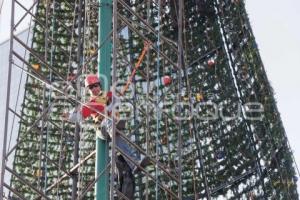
[[106, 132]]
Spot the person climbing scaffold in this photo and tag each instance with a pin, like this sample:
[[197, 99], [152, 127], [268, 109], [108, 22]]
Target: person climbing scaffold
[[99, 107]]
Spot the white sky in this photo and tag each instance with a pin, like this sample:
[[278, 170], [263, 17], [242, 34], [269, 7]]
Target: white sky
[[276, 28]]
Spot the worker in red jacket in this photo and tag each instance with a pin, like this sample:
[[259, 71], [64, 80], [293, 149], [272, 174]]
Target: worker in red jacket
[[99, 107]]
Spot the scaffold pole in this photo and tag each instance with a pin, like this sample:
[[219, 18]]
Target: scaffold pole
[[104, 65], [3, 164]]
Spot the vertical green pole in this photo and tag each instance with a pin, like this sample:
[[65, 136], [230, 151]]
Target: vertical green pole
[[104, 67]]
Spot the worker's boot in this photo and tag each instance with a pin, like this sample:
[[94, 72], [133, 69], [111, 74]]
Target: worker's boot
[[144, 162], [126, 178]]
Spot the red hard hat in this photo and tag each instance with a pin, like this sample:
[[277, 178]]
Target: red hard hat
[[91, 79]]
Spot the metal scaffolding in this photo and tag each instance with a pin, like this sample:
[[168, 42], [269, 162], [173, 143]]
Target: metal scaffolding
[[215, 132]]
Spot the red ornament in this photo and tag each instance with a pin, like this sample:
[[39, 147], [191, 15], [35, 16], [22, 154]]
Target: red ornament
[[211, 63], [166, 80]]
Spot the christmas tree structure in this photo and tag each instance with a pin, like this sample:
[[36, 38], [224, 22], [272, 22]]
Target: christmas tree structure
[[214, 132]]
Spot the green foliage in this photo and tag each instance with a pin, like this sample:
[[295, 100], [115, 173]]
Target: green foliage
[[229, 156]]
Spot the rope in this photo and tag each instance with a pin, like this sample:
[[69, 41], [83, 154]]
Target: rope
[[137, 65]]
